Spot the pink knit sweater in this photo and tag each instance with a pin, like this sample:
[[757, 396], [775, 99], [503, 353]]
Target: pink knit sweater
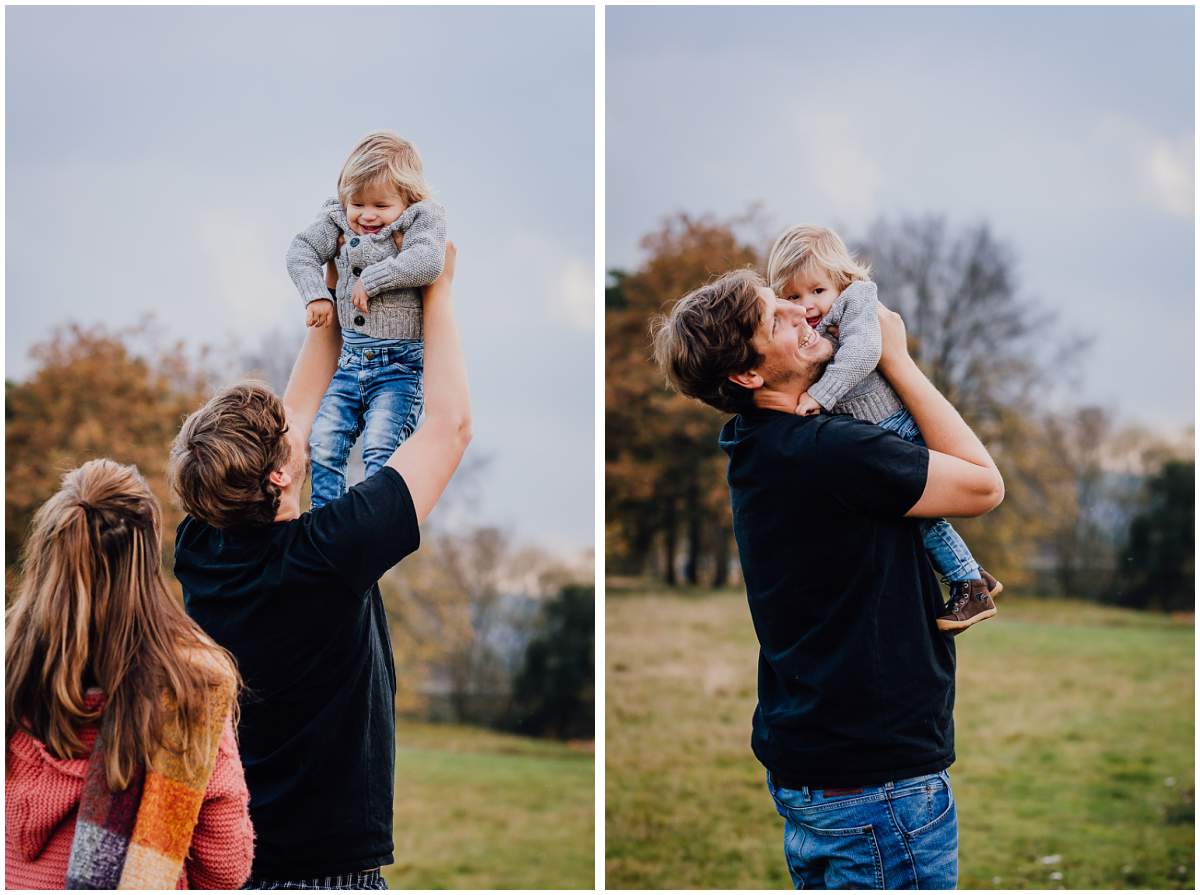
[[41, 799]]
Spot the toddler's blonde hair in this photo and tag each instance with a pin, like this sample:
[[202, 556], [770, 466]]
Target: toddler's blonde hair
[[809, 250], [386, 158]]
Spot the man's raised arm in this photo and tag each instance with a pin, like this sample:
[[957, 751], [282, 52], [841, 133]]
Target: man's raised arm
[[962, 478], [311, 374], [430, 456]]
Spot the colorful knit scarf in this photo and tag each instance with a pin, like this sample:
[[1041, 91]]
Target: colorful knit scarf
[[138, 838]]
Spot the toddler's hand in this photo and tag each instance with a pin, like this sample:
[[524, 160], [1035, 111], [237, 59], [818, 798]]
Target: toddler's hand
[[359, 296], [320, 312], [807, 406]]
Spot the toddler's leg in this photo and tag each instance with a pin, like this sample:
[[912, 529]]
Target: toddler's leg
[[947, 551], [395, 398], [338, 423]]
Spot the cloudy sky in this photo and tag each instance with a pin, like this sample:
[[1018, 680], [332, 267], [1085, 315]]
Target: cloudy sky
[[1069, 129], [161, 159]]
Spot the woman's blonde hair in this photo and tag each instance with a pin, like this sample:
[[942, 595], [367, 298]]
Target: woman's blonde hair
[[809, 250], [93, 609], [383, 158]]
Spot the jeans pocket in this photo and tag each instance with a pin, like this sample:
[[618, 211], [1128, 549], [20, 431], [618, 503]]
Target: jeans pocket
[[410, 356], [850, 856], [921, 809]]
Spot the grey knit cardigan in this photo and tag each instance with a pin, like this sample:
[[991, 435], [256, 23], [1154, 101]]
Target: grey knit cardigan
[[391, 277], [850, 383]]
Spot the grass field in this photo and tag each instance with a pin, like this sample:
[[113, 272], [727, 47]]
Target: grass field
[[483, 810], [1074, 736]]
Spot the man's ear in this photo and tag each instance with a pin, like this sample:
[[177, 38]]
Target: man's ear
[[280, 478], [749, 379]]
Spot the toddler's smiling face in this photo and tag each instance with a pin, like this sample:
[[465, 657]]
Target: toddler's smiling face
[[374, 207], [815, 291]]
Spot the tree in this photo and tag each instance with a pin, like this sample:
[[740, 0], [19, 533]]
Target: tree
[[1157, 568], [663, 471], [554, 692], [96, 393]]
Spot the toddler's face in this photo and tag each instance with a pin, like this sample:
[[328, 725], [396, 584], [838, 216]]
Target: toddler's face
[[815, 291], [373, 208]]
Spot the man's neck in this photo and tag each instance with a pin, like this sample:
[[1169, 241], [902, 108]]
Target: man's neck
[[289, 507], [783, 399]]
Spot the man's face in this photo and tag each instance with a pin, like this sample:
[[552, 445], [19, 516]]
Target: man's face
[[297, 465], [790, 347]]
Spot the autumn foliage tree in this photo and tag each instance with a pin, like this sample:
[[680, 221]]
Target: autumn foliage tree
[[667, 510], [94, 394]]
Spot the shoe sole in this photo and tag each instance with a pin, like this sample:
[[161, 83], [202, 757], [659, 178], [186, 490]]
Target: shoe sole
[[953, 624], [994, 593]]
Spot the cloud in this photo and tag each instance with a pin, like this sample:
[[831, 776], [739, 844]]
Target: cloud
[[1163, 168], [1168, 172], [575, 303], [563, 281]]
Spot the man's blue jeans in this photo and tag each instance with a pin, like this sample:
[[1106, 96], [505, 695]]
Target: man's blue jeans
[[375, 392], [900, 835], [948, 552]]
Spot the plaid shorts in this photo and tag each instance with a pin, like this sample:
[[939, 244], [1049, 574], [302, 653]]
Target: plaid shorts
[[367, 879]]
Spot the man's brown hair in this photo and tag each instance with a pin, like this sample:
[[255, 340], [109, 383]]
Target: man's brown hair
[[706, 338], [224, 454]]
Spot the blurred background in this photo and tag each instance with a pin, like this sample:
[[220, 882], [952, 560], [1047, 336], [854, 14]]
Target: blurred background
[[1022, 182], [158, 163]]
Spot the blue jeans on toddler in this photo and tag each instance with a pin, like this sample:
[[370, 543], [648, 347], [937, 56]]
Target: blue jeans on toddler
[[947, 551], [376, 392], [899, 835]]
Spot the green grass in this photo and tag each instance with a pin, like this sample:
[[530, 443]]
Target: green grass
[[1074, 735], [477, 809]]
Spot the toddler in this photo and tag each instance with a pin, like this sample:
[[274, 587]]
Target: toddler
[[387, 240], [812, 267]]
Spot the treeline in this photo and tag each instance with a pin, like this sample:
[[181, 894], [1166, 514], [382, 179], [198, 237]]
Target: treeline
[[1093, 509], [483, 632]]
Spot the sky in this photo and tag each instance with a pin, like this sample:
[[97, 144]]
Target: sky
[[160, 159], [1070, 130]]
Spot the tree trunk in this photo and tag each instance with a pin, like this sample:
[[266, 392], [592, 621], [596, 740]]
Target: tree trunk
[[720, 557], [691, 569], [670, 544]]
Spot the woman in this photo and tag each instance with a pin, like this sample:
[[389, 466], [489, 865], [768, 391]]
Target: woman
[[122, 767]]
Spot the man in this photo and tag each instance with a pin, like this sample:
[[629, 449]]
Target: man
[[856, 683], [295, 598]]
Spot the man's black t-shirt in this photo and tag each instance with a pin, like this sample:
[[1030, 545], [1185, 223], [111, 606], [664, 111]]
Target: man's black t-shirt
[[855, 682], [298, 605]]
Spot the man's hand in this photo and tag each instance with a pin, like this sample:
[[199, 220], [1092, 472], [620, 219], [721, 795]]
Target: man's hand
[[895, 340], [807, 406], [359, 296], [447, 275], [331, 273], [320, 312]]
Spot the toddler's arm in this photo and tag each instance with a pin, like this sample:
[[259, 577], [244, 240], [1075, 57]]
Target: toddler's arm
[[309, 252], [422, 258], [859, 345]]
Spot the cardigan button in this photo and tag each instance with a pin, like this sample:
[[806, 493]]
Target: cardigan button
[[354, 242], [357, 271], [359, 320]]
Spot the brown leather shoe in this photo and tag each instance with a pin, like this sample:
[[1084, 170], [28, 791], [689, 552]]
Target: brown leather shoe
[[993, 586], [969, 603]]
